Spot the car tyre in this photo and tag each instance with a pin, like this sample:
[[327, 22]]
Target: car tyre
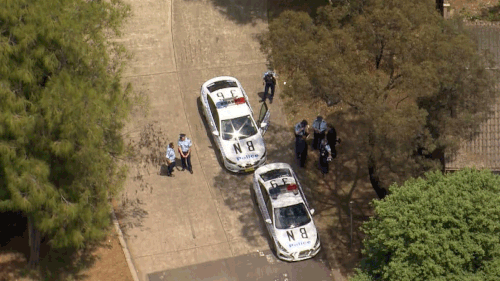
[[274, 250]]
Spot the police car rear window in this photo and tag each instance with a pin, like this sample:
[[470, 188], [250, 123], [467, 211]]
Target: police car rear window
[[273, 174], [221, 85]]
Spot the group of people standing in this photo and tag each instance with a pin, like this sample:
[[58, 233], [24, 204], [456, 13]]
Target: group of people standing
[[325, 136], [324, 140], [184, 148]]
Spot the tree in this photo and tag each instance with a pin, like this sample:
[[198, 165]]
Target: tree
[[415, 80], [441, 227], [61, 111]]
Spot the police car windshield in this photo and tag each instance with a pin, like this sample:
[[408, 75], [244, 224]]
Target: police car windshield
[[273, 174], [221, 85], [238, 128], [291, 216]]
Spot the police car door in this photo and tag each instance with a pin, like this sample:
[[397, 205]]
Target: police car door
[[263, 121]]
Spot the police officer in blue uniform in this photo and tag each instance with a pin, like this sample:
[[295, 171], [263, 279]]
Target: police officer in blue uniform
[[324, 156], [269, 82], [170, 159], [319, 125], [185, 152], [301, 133]]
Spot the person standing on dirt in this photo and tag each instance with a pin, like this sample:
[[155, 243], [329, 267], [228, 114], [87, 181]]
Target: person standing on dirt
[[324, 156], [301, 133], [269, 82], [301, 148], [331, 137], [170, 159], [319, 126], [184, 145]]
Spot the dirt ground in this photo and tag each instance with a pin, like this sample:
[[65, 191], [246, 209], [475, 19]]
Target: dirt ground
[[470, 8], [330, 197], [347, 181], [107, 262]]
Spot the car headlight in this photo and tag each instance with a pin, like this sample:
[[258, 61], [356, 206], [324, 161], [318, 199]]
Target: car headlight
[[317, 242], [282, 248]]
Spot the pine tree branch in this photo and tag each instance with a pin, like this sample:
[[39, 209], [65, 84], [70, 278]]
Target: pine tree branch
[[62, 197]]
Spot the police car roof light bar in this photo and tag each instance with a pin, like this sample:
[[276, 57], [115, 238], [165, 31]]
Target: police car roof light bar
[[240, 100], [292, 187], [274, 192], [233, 100]]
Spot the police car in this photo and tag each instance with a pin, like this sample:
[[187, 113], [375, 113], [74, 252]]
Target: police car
[[286, 212], [230, 117]]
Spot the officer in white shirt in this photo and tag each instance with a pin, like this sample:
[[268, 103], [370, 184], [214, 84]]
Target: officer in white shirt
[[319, 126], [170, 159], [185, 152]]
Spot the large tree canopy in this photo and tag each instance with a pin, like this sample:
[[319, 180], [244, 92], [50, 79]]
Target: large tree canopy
[[441, 227], [415, 79], [62, 107]]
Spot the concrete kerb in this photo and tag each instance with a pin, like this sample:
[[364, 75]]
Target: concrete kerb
[[126, 252]]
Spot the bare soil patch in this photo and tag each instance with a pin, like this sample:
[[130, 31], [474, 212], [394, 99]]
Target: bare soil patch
[[103, 261], [474, 9], [347, 181]]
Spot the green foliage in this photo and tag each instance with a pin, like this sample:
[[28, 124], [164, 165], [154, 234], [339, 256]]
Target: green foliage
[[61, 111], [441, 227], [416, 79]]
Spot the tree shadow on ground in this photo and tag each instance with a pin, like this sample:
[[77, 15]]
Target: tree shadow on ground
[[347, 181], [250, 11], [235, 189], [130, 214], [330, 195], [213, 145], [55, 263], [146, 156]]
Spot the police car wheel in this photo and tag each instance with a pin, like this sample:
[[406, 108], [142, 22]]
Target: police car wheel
[[273, 247], [253, 196]]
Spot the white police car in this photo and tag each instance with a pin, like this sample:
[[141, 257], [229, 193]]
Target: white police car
[[230, 118], [286, 212]]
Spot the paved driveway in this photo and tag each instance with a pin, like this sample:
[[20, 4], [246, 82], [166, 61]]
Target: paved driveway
[[175, 225]]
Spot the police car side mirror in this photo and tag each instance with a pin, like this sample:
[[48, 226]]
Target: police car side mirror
[[311, 211], [215, 133], [268, 221], [263, 124]]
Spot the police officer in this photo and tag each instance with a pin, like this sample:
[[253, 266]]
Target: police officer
[[269, 82], [170, 159], [301, 148], [319, 126], [185, 152], [324, 156], [301, 133], [331, 137]]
